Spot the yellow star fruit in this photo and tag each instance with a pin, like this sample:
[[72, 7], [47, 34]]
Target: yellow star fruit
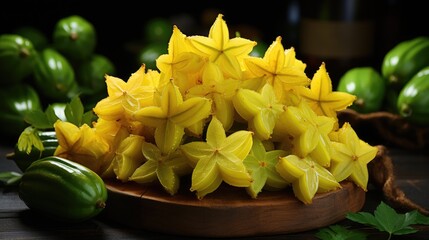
[[309, 132], [126, 97], [165, 168], [322, 99], [259, 109], [351, 156], [306, 176], [220, 49], [81, 144], [218, 159], [128, 157], [279, 68], [113, 133], [172, 115], [220, 90], [261, 166], [180, 64]]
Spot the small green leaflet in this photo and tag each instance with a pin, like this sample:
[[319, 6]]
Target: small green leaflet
[[337, 232], [10, 178], [39, 119], [384, 219], [73, 113], [422, 219]]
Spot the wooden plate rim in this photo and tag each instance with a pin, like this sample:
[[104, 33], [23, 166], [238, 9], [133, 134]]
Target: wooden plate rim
[[227, 212]]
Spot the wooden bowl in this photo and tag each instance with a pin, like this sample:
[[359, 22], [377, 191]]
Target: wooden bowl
[[227, 212]]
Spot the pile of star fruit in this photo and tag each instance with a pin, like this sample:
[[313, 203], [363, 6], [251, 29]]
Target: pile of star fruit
[[215, 114]]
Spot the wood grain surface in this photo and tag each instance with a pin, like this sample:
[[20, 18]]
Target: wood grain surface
[[227, 212]]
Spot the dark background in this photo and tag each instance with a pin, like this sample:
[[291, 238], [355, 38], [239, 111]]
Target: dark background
[[119, 23]]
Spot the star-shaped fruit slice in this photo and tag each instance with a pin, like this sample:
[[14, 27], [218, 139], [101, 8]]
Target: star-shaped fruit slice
[[166, 168], [307, 177], [309, 132], [220, 90], [172, 115], [81, 144], [261, 165], [128, 157], [180, 62], [222, 50], [279, 68], [322, 99], [260, 109], [218, 159], [125, 97], [351, 156]]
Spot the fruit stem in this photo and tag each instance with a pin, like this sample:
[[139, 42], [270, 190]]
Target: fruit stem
[[100, 204], [24, 53], [406, 110]]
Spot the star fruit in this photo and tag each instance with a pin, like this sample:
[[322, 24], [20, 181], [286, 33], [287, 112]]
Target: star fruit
[[171, 115], [166, 168], [125, 97], [220, 90], [351, 156], [81, 144], [180, 63], [309, 132], [222, 50], [322, 99], [259, 109], [261, 166], [306, 176], [279, 68], [218, 159], [128, 157]]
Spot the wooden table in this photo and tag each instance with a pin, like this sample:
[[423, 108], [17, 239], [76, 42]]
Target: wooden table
[[18, 222]]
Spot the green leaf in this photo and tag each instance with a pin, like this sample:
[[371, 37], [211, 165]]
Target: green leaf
[[51, 115], [337, 232], [386, 219], [422, 219], [74, 111], [363, 218], [10, 178], [38, 119], [404, 222]]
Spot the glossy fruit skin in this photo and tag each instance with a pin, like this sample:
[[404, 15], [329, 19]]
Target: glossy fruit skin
[[149, 53], [75, 37], [54, 75], [24, 159], [91, 73], [404, 60], [367, 85], [36, 36], [62, 190], [17, 101], [17, 57], [413, 99]]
